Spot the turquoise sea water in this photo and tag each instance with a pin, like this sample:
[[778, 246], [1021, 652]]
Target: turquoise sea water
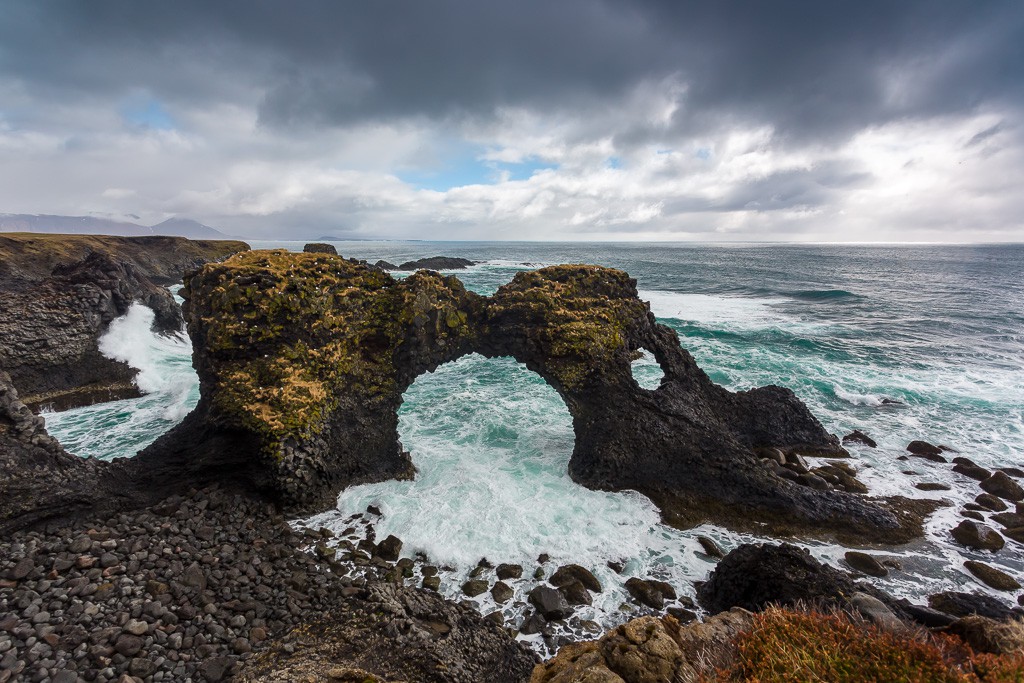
[[938, 329]]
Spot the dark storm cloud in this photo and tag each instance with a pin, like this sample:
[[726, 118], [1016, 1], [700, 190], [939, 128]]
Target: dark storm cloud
[[811, 69]]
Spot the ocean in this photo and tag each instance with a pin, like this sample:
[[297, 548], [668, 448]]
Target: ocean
[[900, 342]]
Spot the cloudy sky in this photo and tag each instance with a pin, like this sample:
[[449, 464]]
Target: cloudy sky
[[566, 119]]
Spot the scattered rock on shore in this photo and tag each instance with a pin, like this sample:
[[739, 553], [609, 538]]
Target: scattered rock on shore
[[977, 536]]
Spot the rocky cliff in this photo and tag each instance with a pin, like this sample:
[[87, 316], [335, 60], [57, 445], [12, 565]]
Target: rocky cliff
[[303, 360], [58, 293]]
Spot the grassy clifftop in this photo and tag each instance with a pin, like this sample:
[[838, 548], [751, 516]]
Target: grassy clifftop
[[33, 256]]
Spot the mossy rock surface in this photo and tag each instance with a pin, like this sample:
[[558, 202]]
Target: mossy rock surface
[[303, 360]]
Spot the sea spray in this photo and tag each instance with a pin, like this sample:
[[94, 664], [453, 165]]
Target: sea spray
[[750, 316], [166, 377]]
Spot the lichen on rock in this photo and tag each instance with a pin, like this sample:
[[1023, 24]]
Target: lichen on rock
[[303, 360]]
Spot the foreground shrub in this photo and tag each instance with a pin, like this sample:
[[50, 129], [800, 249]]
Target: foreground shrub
[[788, 646]]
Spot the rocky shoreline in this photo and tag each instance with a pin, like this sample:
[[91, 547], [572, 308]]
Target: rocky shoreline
[[179, 564], [58, 294]]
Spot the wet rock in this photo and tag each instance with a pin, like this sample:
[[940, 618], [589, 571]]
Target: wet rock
[[432, 582], [574, 572], [533, 623], [550, 603], [437, 263], [509, 571], [977, 536], [965, 604], [865, 564], [1012, 471], [711, 548], [390, 548], [649, 592], [931, 486], [972, 471], [972, 514], [1000, 484], [990, 502], [1009, 520], [576, 593], [923, 449], [1016, 533], [755, 575], [474, 587], [501, 592], [385, 265], [616, 566], [857, 436], [992, 577], [928, 617]]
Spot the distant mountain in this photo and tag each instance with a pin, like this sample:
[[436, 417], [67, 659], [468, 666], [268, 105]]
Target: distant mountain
[[184, 227], [91, 225]]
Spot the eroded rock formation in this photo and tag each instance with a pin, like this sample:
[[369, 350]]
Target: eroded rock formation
[[303, 360], [58, 294]]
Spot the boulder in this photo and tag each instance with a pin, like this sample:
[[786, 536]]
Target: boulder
[[876, 612], [965, 604], [650, 592], [389, 549], [573, 572], [972, 471], [437, 263], [550, 603], [857, 436], [755, 576], [1010, 520], [865, 564], [320, 248], [501, 592], [576, 593], [990, 502], [474, 587], [1002, 485], [711, 548], [509, 571], [923, 449], [992, 577], [978, 536], [385, 265]]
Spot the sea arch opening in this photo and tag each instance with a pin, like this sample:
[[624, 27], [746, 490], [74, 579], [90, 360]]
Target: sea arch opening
[[491, 441]]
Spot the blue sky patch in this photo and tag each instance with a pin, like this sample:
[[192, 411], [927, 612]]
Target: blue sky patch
[[147, 112], [467, 168]]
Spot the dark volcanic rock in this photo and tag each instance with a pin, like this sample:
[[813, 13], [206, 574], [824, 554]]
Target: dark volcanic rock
[[550, 603], [690, 446], [978, 536], [574, 572], [1000, 484], [865, 564], [509, 571], [972, 471], [389, 549], [966, 604], [990, 502], [385, 265], [320, 248], [857, 436], [58, 294], [991, 576], [650, 592], [437, 263], [754, 576], [923, 449]]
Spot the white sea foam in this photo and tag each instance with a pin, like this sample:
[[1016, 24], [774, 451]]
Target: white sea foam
[[165, 376], [727, 313]]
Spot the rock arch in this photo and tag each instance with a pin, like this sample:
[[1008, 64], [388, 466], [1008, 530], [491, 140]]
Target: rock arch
[[303, 360]]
